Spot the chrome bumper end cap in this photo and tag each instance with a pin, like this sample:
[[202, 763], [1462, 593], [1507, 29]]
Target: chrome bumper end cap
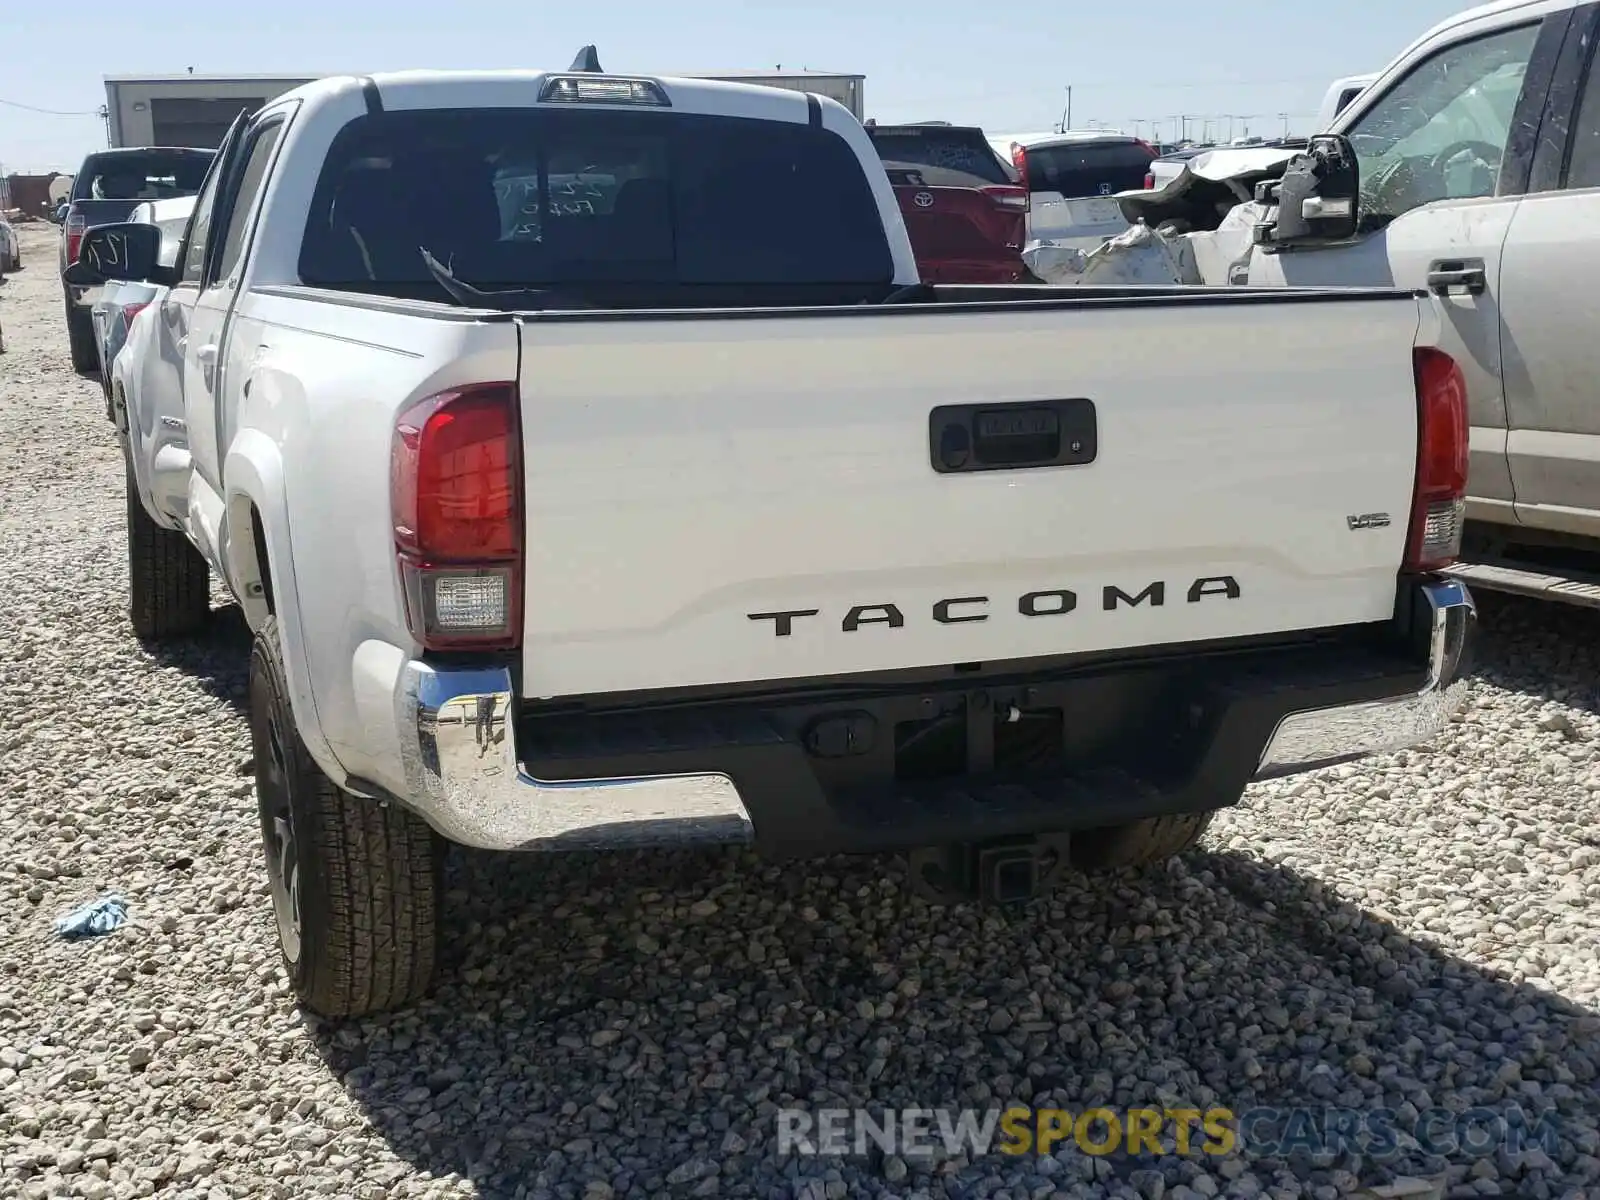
[[1304, 741], [464, 777]]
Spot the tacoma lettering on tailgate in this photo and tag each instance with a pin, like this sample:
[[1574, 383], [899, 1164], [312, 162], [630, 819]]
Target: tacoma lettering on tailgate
[[963, 610]]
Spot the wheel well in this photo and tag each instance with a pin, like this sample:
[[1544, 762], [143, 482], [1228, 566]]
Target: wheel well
[[249, 564], [263, 563]]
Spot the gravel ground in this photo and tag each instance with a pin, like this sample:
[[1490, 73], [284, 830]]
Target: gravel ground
[[1416, 932]]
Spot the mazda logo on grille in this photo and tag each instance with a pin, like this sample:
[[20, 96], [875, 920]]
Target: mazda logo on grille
[[923, 199]]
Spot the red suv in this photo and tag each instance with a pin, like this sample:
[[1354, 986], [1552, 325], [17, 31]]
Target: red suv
[[965, 209]]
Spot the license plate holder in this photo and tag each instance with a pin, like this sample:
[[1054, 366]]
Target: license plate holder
[[1100, 212]]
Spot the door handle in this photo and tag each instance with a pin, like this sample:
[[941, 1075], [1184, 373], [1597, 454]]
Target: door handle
[[1468, 274], [206, 356]]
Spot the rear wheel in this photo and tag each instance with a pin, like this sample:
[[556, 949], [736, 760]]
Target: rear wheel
[[355, 883], [80, 341], [169, 583], [1138, 843]]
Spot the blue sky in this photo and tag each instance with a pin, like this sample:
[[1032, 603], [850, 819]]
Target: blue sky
[[1001, 65]]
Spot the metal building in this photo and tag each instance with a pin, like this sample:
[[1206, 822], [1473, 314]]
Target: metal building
[[185, 110], [196, 110]]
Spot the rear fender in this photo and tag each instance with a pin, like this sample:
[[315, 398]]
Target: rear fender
[[256, 504]]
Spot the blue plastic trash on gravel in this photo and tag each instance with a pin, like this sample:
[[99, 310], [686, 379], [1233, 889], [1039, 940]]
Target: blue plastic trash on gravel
[[94, 919]]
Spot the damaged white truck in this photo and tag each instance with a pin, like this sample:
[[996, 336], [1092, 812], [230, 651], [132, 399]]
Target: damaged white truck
[[573, 506], [1474, 174]]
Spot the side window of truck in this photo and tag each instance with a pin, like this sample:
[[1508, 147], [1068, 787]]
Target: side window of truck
[[1441, 131], [199, 235], [243, 202], [1583, 163]]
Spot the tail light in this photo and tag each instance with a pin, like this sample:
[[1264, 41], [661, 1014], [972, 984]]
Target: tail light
[[1013, 198], [130, 311], [76, 226], [455, 495], [1150, 176], [1439, 504], [1019, 160]]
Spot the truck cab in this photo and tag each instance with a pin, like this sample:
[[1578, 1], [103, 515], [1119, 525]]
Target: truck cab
[[1478, 156]]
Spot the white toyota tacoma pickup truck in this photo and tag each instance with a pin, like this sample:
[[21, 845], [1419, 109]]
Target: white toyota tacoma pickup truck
[[594, 471]]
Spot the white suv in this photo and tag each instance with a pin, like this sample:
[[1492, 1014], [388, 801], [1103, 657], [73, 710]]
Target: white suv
[[1073, 179]]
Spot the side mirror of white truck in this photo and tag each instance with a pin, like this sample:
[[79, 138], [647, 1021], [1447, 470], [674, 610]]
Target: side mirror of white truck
[[1317, 198]]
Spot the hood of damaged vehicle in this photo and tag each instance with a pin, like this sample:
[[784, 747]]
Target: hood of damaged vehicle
[[1208, 187]]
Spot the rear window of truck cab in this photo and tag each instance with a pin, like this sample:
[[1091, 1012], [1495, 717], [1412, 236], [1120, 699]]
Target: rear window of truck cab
[[529, 197]]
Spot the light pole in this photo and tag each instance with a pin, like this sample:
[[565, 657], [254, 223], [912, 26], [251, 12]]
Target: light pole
[[1066, 113]]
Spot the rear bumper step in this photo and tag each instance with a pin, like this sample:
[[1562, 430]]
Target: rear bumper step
[[920, 765]]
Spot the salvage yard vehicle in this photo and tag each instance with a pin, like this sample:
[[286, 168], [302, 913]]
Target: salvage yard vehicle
[[1477, 165], [1071, 178], [108, 187], [1169, 166], [121, 301], [705, 520], [965, 213], [962, 230]]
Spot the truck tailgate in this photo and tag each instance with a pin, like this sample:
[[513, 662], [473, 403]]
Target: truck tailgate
[[715, 499]]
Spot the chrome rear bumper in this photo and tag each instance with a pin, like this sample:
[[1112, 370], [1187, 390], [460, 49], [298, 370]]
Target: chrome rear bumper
[[465, 780], [463, 774], [1322, 737]]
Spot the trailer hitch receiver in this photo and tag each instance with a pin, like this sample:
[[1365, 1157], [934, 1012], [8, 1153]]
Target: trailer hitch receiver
[[1005, 871]]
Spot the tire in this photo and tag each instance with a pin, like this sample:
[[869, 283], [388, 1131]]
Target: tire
[[1138, 843], [169, 583], [80, 341], [355, 883], [16, 263]]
